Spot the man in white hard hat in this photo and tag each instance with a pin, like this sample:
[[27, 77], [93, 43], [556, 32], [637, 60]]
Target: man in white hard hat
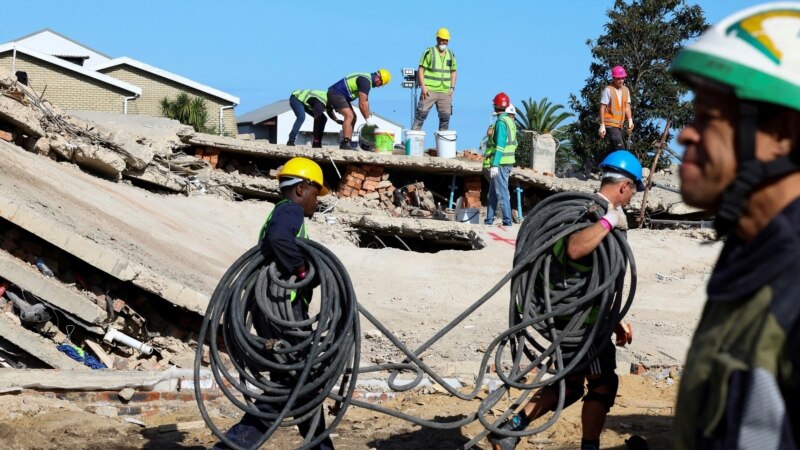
[[741, 383]]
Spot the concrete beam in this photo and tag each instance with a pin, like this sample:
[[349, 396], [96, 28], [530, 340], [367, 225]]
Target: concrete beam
[[101, 257], [87, 380], [51, 291], [37, 346]]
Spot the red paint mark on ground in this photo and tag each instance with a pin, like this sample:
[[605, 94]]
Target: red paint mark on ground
[[497, 237]]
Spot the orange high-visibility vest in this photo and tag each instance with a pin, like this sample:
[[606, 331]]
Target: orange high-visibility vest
[[615, 113]]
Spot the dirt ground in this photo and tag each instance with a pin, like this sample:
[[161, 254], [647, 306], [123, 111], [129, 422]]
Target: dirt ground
[[31, 421], [192, 240]]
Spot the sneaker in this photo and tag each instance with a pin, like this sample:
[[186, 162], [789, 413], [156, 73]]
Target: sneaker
[[504, 442], [290, 143]]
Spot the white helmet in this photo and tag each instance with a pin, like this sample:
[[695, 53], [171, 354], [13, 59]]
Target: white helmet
[[510, 109], [755, 51]]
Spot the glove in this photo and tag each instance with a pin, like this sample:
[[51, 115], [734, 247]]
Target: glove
[[624, 334], [493, 172], [370, 121], [616, 218], [602, 130]]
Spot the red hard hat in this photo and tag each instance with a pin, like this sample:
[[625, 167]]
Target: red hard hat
[[501, 100], [618, 72]]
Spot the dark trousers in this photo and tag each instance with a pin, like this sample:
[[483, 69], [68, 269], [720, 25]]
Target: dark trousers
[[614, 138], [318, 113]]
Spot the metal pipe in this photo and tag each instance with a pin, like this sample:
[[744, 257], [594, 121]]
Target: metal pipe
[[222, 108], [666, 188], [114, 335], [518, 189], [125, 103], [452, 192]]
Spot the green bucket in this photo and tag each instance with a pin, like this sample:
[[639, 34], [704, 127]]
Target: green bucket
[[384, 142]]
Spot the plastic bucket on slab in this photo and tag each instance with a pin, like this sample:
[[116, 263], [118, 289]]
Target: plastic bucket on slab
[[446, 144], [384, 141], [415, 142], [365, 136]]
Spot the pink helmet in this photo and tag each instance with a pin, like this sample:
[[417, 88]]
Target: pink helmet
[[618, 72]]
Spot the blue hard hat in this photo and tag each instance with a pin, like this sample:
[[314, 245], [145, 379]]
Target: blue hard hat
[[624, 162]]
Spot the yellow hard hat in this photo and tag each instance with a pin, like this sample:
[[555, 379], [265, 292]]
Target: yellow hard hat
[[306, 169], [386, 77], [443, 33]]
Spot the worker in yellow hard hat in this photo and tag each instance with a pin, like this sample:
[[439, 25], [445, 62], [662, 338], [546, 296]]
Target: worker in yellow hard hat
[[437, 78], [301, 183], [349, 88]]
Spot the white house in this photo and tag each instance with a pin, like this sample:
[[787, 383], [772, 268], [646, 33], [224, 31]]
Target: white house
[[273, 122]]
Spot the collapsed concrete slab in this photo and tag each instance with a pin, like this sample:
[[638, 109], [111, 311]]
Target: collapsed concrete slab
[[436, 230], [52, 292], [35, 345], [93, 380], [658, 201], [21, 116]]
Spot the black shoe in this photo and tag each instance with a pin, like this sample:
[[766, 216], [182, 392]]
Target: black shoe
[[290, 143], [345, 145], [504, 443]]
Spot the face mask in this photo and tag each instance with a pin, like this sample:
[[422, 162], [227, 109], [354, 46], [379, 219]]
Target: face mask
[[442, 47]]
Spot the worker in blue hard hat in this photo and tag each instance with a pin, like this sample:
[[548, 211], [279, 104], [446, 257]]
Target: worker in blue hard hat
[[621, 179]]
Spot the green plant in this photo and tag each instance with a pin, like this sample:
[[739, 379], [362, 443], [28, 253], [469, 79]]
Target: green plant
[[543, 117], [188, 111], [643, 36]]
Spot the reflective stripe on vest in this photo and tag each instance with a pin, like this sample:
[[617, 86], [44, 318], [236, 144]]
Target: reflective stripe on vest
[[615, 112], [509, 151], [350, 82], [301, 233], [305, 94], [437, 76]]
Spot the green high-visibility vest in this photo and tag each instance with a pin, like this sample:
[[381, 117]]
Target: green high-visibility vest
[[437, 76], [301, 233], [510, 149], [350, 81], [305, 95]]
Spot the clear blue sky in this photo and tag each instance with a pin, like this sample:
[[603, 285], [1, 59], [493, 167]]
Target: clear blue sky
[[262, 50]]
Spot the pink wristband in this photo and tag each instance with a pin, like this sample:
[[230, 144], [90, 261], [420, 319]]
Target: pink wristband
[[606, 224]]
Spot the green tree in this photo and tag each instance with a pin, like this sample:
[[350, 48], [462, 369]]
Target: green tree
[[543, 117], [643, 36], [188, 111]]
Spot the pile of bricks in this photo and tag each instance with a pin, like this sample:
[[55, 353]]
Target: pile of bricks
[[472, 192], [469, 155], [208, 154], [366, 181]]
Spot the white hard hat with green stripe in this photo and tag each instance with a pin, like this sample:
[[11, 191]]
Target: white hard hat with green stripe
[[756, 53]]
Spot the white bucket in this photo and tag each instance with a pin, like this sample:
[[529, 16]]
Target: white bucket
[[446, 144], [415, 143]]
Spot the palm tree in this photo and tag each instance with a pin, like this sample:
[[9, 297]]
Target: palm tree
[[546, 118], [188, 111]]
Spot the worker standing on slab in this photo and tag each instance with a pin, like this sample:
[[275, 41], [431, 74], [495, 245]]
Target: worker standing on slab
[[437, 77], [314, 103], [499, 159], [572, 258], [300, 182], [349, 88], [615, 110], [741, 382]]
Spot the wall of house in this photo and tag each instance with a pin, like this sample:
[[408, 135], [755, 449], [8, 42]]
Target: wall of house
[[155, 88], [65, 88]]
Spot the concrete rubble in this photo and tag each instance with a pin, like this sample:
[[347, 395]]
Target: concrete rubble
[[58, 251]]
